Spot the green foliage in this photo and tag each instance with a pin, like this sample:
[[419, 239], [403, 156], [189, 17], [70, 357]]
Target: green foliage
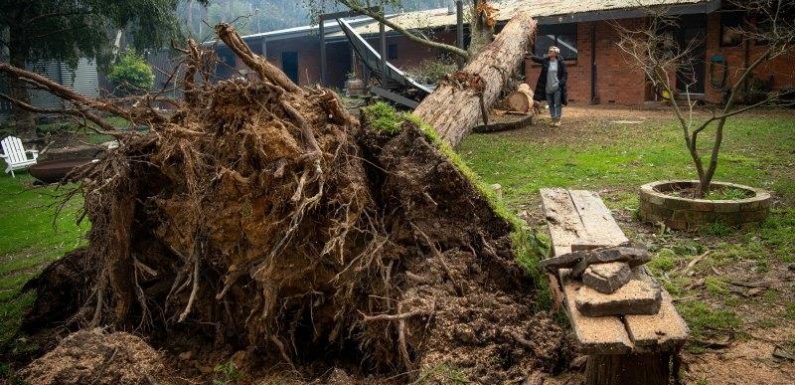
[[442, 374], [67, 30], [131, 73], [703, 319], [665, 260], [431, 71], [227, 374]]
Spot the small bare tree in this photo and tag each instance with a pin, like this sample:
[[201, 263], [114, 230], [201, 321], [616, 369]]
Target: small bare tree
[[664, 60]]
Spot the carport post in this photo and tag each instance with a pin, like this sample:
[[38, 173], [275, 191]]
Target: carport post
[[322, 31]]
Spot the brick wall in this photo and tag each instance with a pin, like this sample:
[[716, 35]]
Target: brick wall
[[781, 68], [618, 80]]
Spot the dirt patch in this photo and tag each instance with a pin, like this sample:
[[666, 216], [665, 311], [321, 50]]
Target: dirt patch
[[96, 357]]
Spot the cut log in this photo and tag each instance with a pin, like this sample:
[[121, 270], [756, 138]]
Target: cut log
[[521, 100], [454, 108]]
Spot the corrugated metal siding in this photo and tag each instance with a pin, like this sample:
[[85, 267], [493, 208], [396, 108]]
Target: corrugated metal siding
[[54, 71], [83, 79]]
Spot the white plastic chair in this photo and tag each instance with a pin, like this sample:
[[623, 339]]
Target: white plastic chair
[[16, 156]]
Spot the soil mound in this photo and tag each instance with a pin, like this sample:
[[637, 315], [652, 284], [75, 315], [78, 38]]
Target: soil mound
[[96, 357], [263, 216]]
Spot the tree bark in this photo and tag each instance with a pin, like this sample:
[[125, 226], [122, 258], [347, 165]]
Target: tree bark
[[454, 108], [22, 122]]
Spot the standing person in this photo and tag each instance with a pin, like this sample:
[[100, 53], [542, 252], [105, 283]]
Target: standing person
[[551, 84]]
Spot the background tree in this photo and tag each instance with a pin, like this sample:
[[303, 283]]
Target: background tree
[[32, 31], [131, 74], [653, 48]]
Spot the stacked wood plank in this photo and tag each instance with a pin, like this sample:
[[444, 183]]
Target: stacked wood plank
[[636, 331]]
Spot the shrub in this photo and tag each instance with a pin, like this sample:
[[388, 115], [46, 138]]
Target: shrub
[[131, 74], [431, 71]]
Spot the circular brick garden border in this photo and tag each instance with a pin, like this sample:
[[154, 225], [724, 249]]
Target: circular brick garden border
[[687, 214]]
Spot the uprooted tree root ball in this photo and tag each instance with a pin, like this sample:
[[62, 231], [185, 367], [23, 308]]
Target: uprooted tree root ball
[[264, 216]]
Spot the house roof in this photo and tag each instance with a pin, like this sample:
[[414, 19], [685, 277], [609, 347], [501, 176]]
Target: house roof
[[545, 11], [550, 12]]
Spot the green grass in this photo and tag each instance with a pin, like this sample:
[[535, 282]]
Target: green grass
[[704, 320], [756, 152], [31, 237]]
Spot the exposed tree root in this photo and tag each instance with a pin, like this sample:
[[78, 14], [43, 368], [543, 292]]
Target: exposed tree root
[[261, 214]]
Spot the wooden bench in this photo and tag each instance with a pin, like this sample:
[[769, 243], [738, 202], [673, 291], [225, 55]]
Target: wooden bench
[[622, 350]]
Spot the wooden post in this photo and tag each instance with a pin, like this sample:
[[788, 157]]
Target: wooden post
[[459, 21], [382, 38], [628, 369], [322, 32]]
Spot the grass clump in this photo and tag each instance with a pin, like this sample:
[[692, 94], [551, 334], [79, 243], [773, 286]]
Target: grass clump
[[716, 285], [665, 260], [704, 320], [442, 374], [383, 117], [789, 311]]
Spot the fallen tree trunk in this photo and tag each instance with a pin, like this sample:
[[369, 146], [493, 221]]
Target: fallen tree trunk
[[456, 105]]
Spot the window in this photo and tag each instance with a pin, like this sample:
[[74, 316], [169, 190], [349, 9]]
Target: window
[[730, 23], [391, 52], [564, 36]]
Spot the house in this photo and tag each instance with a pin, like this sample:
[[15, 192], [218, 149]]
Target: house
[[585, 30]]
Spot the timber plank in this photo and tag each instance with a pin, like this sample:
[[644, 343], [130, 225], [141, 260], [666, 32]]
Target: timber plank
[[601, 229], [596, 335], [664, 331], [565, 225]]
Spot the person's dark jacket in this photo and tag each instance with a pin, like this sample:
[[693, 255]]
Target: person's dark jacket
[[541, 86]]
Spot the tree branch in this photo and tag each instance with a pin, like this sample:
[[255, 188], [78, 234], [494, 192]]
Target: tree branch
[[410, 35], [107, 128]]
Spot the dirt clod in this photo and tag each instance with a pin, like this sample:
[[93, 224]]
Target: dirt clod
[[96, 357]]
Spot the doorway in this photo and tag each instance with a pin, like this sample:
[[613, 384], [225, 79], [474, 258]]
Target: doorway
[[290, 65], [692, 75]]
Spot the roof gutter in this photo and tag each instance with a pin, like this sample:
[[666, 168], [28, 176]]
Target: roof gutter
[[630, 13]]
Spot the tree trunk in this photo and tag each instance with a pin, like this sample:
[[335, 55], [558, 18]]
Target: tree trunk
[[454, 108], [626, 369], [22, 122]]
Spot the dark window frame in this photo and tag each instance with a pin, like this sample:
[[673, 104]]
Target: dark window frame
[[555, 32], [392, 51]]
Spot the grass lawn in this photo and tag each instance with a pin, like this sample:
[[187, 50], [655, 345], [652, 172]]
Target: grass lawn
[[30, 237]]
